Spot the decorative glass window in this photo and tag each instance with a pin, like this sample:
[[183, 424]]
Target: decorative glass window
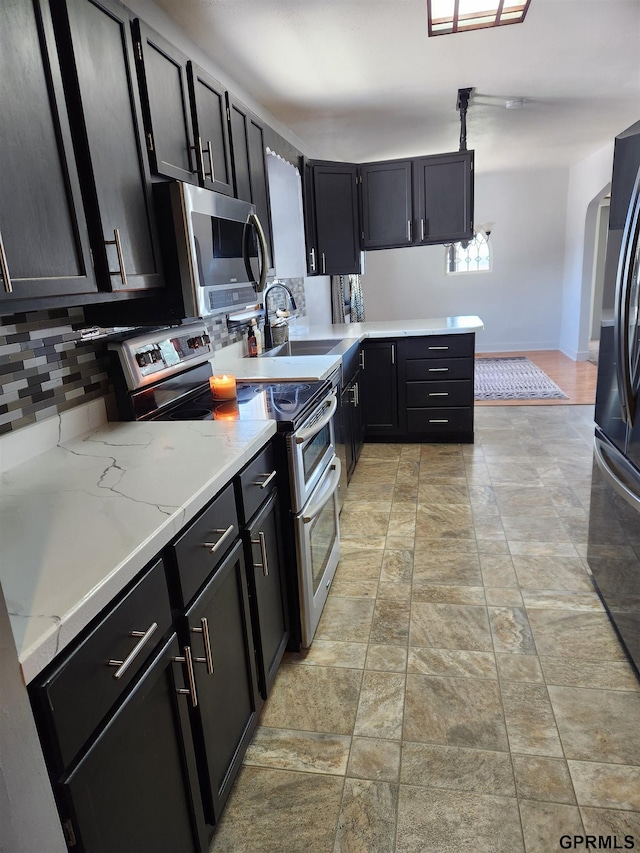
[[457, 16], [469, 256]]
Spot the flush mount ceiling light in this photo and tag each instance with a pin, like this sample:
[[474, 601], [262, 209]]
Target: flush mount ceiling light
[[457, 16]]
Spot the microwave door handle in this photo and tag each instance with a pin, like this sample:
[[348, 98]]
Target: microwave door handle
[[245, 253], [305, 434], [313, 510], [264, 252], [624, 274]]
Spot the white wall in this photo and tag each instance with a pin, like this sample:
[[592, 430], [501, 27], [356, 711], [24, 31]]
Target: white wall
[[520, 299], [589, 180]]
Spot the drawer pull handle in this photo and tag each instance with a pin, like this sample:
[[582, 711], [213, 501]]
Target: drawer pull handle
[[123, 665], [262, 542], [191, 690], [265, 483], [204, 630], [438, 370], [438, 420], [213, 546], [438, 393], [438, 347]]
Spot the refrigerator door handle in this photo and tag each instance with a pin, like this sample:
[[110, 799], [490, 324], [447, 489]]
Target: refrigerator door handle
[[624, 274], [611, 477]]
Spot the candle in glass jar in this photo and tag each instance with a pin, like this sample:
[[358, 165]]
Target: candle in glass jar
[[223, 387]]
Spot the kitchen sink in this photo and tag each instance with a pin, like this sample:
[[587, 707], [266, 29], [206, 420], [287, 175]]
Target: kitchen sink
[[301, 348]]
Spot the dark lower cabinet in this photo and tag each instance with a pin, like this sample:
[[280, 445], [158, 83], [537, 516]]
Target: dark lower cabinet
[[136, 788], [380, 388], [44, 242], [419, 389], [217, 628], [352, 423], [267, 585]]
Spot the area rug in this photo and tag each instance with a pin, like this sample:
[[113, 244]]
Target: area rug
[[514, 378]]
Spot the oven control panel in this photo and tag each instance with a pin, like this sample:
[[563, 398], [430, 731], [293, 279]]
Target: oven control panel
[[161, 353]]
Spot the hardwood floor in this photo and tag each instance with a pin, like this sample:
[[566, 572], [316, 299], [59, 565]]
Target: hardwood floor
[[576, 378]]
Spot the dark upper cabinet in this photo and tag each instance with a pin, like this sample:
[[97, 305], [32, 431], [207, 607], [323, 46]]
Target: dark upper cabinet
[[387, 204], [44, 242], [335, 200], [417, 202], [209, 115], [99, 76], [249, 163], [443, 198], [309, 210], [162, 74]]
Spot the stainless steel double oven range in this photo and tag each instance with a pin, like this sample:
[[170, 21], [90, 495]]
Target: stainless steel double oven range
[[164, 375]]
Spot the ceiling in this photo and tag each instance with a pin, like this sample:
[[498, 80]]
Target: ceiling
[[358, 80]]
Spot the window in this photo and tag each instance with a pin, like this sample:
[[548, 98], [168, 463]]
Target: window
[[457, 16], [469, 256]]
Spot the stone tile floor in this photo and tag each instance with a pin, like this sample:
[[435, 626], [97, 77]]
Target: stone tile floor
[[465, 690]]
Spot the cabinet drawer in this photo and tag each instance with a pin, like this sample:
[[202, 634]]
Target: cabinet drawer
[[439, 394], [256, 482], [84, 687], [201, 547], [440, 421], [439, 346], [428, 369]]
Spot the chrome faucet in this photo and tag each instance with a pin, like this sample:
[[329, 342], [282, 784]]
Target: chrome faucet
[[268, 340]]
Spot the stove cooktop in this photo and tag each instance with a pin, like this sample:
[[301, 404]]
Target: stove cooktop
[[288, 403]]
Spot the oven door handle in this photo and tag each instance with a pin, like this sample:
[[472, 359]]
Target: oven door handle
[[305, 434], [313, 510]]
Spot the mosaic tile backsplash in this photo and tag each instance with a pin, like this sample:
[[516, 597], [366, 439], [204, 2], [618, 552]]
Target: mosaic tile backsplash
[[46, 369]]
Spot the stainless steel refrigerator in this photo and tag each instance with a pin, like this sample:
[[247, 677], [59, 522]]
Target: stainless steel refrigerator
[[614, 518]]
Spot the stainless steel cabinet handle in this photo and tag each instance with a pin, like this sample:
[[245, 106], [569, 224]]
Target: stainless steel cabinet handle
[[262, 542], [437, 347], [214, 546], [362, 359], [324, 265], [438, 420], [191, 691], [4, 269], [116, 242], [438, 393], [408, 230], [123, 665], [422, 230], [438, 370], [393, 353], [211, 173], [313, 260], [265, 483], [357, 388], [200, 166], [204, 630]]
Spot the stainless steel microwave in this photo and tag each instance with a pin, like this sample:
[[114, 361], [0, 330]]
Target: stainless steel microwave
[[215, 245]]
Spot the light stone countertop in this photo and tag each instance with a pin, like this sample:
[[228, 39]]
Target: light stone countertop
[[80, 520], [315, 367]]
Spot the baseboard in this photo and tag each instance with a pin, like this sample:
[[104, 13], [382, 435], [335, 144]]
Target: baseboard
[[521, 346]]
